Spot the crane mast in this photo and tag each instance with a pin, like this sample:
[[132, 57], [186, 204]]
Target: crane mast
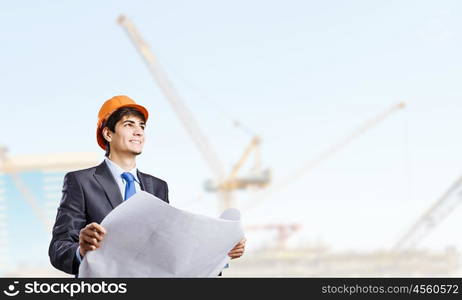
[[174, 99]]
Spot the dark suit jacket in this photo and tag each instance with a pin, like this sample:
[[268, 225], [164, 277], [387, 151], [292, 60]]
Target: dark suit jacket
[[88, 196]]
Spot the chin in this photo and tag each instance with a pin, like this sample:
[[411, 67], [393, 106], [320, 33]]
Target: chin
[[136, 152]]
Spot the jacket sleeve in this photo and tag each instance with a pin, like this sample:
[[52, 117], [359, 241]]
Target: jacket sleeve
[[70, 219]]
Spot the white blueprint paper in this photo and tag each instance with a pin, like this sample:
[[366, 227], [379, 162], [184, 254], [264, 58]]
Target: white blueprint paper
[[146, 237]]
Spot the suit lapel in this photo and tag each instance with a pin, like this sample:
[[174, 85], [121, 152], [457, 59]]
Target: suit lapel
[[146, 185], [104, 177]]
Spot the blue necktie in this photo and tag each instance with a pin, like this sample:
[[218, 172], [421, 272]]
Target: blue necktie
[[129, 184]]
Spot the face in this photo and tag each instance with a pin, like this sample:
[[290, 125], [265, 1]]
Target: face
[[128, 138]]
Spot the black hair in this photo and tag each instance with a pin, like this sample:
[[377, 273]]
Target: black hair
[[116, 117]]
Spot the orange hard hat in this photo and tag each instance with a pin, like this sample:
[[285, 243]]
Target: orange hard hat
[[111, 106]]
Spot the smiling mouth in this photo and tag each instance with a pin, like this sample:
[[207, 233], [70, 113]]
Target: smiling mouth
[[135, 142]]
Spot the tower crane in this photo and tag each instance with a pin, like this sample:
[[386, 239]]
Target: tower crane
[[224, 183]]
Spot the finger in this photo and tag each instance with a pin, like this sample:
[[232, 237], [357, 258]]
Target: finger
[[235, 256], [86, 247], [236, 251], [97, 227], [237, 248], [94, 234], [89, 247], [90, 240]]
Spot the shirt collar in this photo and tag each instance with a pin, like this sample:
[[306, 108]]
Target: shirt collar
[[117, 171]]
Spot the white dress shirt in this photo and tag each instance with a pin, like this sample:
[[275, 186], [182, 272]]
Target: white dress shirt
[[117, 171]]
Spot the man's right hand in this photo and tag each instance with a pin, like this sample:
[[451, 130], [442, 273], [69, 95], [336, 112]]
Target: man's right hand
[[90, 238]]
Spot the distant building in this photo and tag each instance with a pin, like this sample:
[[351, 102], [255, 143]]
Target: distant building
[[30, 192]]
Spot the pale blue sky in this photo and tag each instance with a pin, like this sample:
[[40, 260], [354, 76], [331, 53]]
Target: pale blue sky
[[302, 74]]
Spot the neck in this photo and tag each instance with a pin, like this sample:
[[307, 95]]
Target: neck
[[125, 162]]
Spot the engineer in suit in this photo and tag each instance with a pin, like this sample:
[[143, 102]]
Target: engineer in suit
[[90, 194]]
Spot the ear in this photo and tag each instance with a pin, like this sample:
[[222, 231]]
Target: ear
[[107, 134]]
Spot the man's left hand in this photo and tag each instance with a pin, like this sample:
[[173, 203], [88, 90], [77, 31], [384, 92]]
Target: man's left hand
[[238, 250]]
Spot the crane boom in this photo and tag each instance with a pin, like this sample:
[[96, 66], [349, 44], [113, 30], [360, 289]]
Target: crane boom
[[175, 100], [329, 152], [347, 140], [433, 216]]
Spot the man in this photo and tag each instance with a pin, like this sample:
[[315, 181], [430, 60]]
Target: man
[[90, 194]]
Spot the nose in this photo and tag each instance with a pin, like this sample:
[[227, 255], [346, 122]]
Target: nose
[[138, 131]]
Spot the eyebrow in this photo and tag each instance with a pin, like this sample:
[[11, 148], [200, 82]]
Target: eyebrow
[[133, 122]]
